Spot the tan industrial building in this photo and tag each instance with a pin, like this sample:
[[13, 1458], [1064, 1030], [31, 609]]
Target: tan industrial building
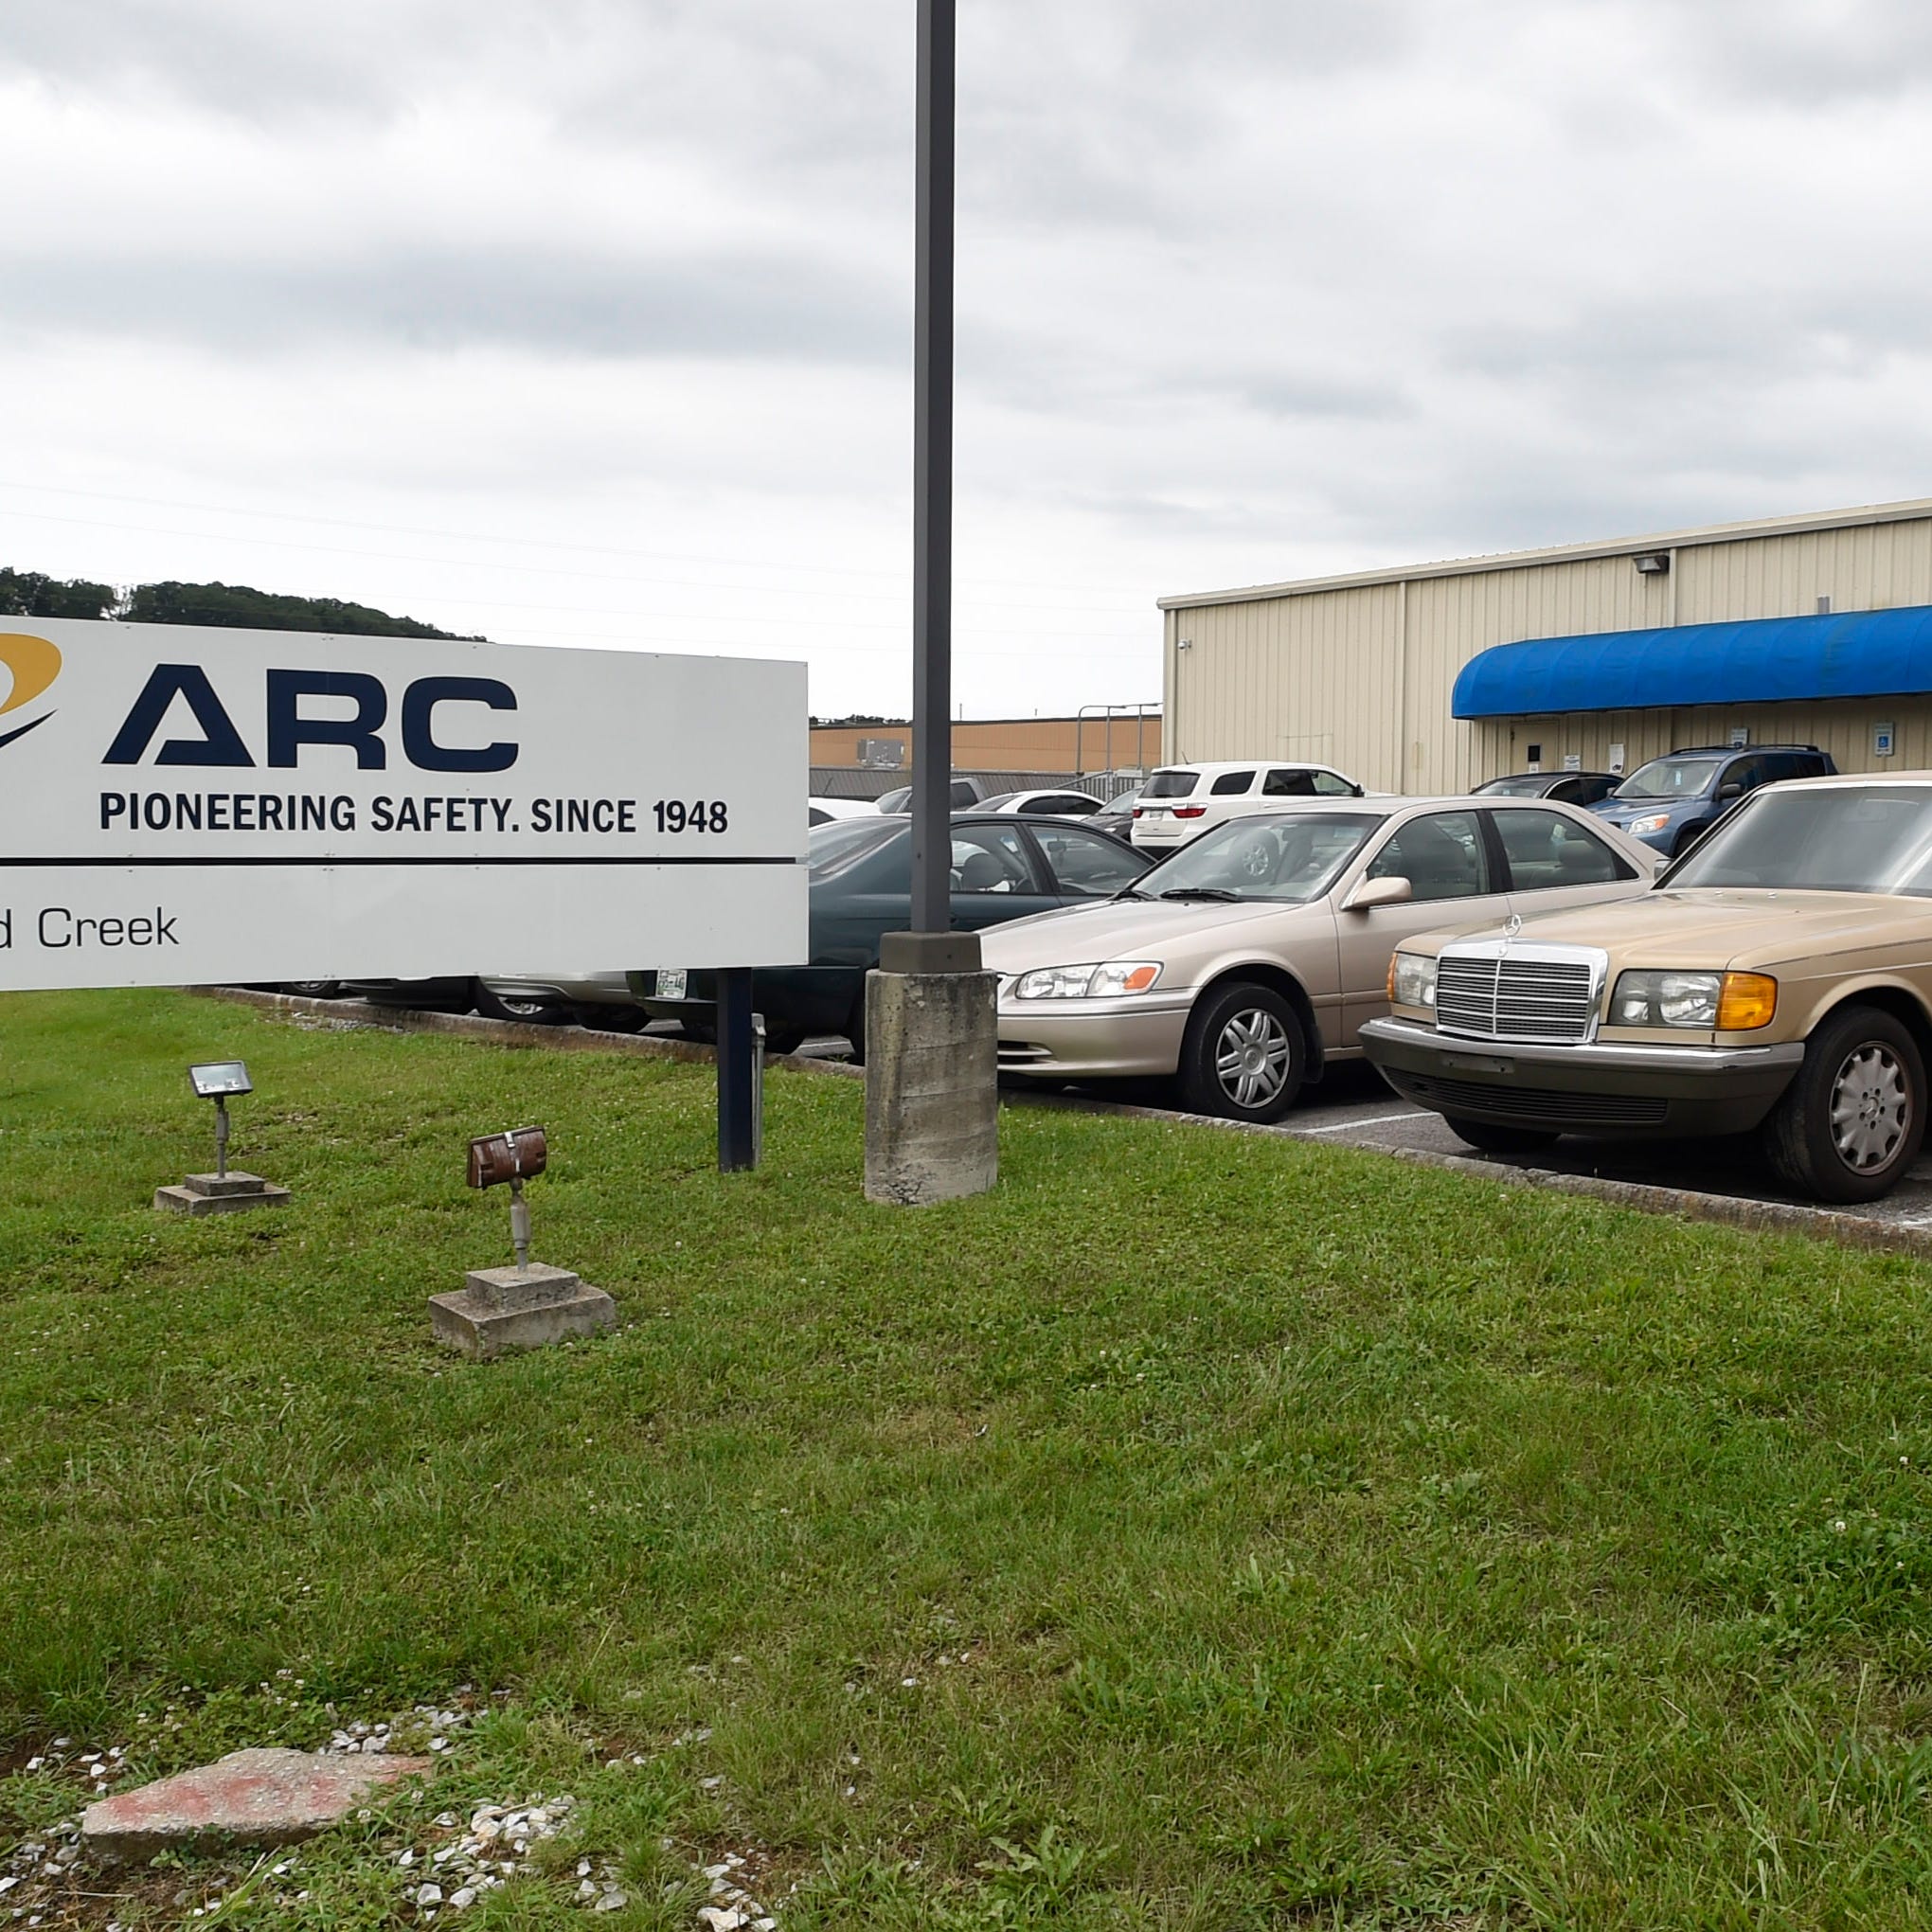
[[1101, 739], [1808, 629]]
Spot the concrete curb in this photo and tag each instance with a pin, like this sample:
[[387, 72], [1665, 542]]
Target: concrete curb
[[1761, 1217]]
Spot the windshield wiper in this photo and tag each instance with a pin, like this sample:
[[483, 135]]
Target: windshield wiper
[[1219, 893], [1130, 892]]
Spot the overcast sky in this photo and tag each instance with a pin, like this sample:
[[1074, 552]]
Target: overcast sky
[[589, 321]]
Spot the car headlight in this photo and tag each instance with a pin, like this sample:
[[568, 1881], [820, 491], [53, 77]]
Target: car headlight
[[1088, 982], [1655, 822], [1723, 1002], [1412, 980]]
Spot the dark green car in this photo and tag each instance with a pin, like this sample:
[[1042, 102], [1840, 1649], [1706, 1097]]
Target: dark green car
[[1004, 866]]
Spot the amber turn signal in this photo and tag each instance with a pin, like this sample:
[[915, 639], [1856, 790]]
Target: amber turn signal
[[1745, 1001]]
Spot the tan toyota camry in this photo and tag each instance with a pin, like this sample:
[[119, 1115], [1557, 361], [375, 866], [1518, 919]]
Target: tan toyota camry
[[1249, 960], [1778, 978]]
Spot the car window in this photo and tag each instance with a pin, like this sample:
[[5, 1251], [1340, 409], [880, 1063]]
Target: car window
[[1749, 772], [1229, 783], [1441, 856], [964, 793], [1172, 785], [1865, 838], [1530, 787], [1287, 857], [1062, 804], [1287, 782], [817, 814], [1589, 790], [1332, 785], [992, 858], [836, 848], [1546, 849], [1085, 864], [1669, 778]]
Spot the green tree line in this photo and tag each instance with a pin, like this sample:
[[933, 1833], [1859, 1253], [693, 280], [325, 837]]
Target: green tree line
[[34, 594]]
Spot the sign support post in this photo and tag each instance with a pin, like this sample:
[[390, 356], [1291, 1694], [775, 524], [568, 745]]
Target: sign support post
[[931, 1027], [738, 1082]]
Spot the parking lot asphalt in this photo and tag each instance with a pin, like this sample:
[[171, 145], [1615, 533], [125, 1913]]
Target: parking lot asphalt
[[1352, 1107]]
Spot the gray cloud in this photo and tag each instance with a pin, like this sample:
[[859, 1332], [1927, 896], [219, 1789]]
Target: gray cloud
[[724, 307]]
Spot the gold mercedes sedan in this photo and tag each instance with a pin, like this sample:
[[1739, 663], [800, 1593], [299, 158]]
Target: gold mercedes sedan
[[1244, 963], [1778, 978]]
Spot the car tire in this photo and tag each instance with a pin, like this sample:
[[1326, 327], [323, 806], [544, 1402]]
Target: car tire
[[699, 1032], [601, 1017], [312, 988], [781, 1040], [855, 1030], [1497, 1136], [1245, 1056], [524, 1013], [1687, 838], [1851, 1124]]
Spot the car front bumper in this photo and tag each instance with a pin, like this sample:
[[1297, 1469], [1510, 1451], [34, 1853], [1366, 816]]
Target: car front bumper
[[1598, 1089], [1067, 1039]]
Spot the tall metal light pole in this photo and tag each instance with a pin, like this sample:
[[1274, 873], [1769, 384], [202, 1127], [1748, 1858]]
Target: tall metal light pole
[[932, 459], [932, 1031]]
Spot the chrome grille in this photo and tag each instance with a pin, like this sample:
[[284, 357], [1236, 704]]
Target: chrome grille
[[1491, 990]]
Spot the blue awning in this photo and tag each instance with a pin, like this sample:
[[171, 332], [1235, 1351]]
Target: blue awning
[[1765, 661]]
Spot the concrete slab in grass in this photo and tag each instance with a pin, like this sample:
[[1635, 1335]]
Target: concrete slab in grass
[[501, 1309], [248, 1797]]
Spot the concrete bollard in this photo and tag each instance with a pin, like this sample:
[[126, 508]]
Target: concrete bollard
[[932, 1072]]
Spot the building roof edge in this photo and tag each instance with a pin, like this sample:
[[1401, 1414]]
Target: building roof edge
[[1565, 553]]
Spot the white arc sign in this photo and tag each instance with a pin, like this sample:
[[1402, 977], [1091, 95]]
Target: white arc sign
[[183, 805]]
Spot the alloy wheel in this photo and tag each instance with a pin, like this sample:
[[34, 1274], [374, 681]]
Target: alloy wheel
[[1870, 1108], [1252, 1057]]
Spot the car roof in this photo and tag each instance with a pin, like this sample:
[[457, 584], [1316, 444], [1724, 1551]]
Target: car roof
[[1727, 750], [1243, 764]]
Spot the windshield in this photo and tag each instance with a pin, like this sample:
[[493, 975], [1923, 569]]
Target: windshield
[[1286, 858], [1171, 784], [1669, 777], [895, 801], [836, 848], [1530, 787], [1875, 838]]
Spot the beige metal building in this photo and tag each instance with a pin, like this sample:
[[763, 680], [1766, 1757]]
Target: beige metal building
[[1623, 649]]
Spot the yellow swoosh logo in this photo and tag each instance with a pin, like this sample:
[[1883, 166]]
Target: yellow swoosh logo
[[33, 663]]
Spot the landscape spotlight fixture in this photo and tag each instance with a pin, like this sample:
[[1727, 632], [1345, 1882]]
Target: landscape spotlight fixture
[[220, 1193], [532, 1303], [1652, 562], [515, 1156], [215, 1079]]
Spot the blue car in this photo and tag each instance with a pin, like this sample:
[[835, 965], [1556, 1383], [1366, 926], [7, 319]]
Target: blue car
[[1674, 800]]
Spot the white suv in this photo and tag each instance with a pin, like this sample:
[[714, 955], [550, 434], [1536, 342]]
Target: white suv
[[1179, 802]]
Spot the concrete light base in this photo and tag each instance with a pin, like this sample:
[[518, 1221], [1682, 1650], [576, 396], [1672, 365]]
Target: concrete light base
[[222, 1194], [932, 1085], [500, 1308]]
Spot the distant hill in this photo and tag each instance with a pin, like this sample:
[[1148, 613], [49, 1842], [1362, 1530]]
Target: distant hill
[[236, 606]]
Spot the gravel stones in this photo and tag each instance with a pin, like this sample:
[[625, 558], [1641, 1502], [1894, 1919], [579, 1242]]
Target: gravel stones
[[248, 1797]]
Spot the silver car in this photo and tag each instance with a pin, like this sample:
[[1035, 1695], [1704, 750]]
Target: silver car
[[543, 999], [1249, 960]]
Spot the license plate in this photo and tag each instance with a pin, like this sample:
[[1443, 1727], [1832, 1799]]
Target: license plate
[[671, 982], [1154, 811], [1471, 1063]]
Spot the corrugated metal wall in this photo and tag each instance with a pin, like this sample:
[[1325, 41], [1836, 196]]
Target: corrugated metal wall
[[1359, 676]]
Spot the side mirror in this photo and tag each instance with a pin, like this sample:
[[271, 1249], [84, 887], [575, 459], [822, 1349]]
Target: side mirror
[[1726, 793], [1371, 893]]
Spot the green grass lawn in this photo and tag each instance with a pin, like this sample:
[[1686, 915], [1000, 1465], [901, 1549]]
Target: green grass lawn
[[1202, 1530]]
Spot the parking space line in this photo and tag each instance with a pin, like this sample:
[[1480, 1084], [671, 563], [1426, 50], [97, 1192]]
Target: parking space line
[[1374, 1120]]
